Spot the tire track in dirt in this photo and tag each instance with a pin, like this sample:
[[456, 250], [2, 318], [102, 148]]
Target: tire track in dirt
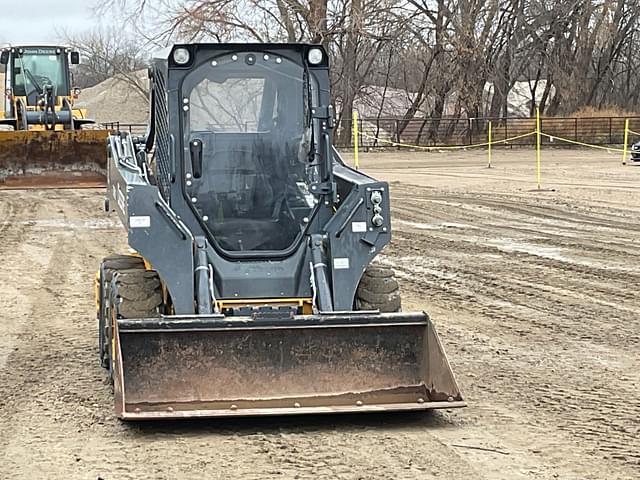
[[541, 209], [537, 229], [7, 213], [519, 205], [12, 234], [546, 300], [555, 337], [553, 286], [38, 381], [614, 290], [56, 410]]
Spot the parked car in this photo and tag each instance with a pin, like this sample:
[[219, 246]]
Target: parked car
[[635, 152]]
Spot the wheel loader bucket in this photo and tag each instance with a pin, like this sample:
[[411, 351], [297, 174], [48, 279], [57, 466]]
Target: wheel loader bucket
[[178, 367], [53, 159]]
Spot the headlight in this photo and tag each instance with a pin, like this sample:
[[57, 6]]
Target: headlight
[[181, 56], [377, 220], [315, 56]]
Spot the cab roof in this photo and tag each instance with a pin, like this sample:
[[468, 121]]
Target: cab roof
[[8, 46]]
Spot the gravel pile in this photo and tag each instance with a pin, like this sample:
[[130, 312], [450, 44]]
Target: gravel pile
[[116, 100]]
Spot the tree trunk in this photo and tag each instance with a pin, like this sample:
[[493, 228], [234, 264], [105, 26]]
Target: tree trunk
[[351, 81]]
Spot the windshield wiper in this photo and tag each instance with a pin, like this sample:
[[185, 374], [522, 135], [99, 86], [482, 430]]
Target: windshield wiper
[[33, 80], [30, 76]]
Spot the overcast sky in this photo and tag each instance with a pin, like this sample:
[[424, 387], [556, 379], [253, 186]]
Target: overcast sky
[[33, 21]]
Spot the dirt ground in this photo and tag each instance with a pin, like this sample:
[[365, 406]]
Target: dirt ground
[[534, 293]]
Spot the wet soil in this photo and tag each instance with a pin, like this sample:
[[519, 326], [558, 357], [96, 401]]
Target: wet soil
[[534, 294]]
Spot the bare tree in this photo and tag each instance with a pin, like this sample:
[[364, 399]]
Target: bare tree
[[107, 53], [460, 58]]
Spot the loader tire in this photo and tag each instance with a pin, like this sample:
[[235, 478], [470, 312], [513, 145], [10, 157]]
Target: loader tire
[[108, 267], [139, 293], [378, 290], [133, 293]]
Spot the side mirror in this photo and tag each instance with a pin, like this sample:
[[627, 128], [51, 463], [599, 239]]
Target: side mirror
[[75, 58], [4, 57]]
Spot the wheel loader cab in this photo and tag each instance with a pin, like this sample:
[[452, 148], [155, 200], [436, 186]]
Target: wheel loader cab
[[36, 68], [34, 72], [247, 136]]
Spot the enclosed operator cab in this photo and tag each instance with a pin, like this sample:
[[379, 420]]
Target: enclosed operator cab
[[253, 291]]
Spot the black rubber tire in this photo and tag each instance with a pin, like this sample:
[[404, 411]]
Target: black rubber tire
[[133, 293], [114, 263], [108, 267], [378, 290], [139, 293]]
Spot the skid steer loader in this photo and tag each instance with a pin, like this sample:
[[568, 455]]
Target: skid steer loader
[[42, 140], [252, 290]]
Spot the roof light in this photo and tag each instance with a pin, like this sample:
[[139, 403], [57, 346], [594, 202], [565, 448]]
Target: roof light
[[181, 56], [315, 56]]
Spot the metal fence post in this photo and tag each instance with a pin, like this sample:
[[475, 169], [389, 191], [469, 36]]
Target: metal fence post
[[355, 139], [625, 141], [538, 140], [489, 145]]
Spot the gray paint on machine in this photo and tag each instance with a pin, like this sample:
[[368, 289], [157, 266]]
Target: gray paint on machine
[[259, 209]]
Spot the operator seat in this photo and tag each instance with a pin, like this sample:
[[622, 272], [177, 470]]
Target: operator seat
[[242, 192]]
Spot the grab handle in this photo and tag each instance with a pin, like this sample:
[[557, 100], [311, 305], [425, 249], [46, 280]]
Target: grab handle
[[195, 147]]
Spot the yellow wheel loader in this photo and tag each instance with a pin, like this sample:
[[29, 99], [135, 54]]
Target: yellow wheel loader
[[253, 290], [44, 140]]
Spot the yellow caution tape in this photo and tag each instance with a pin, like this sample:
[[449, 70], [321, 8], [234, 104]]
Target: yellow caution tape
[[457, 147], [574, 142], [485, 144], [631, 131]]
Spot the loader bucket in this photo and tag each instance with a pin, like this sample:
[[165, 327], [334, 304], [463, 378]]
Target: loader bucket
[[53, 159], [179, 367]]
